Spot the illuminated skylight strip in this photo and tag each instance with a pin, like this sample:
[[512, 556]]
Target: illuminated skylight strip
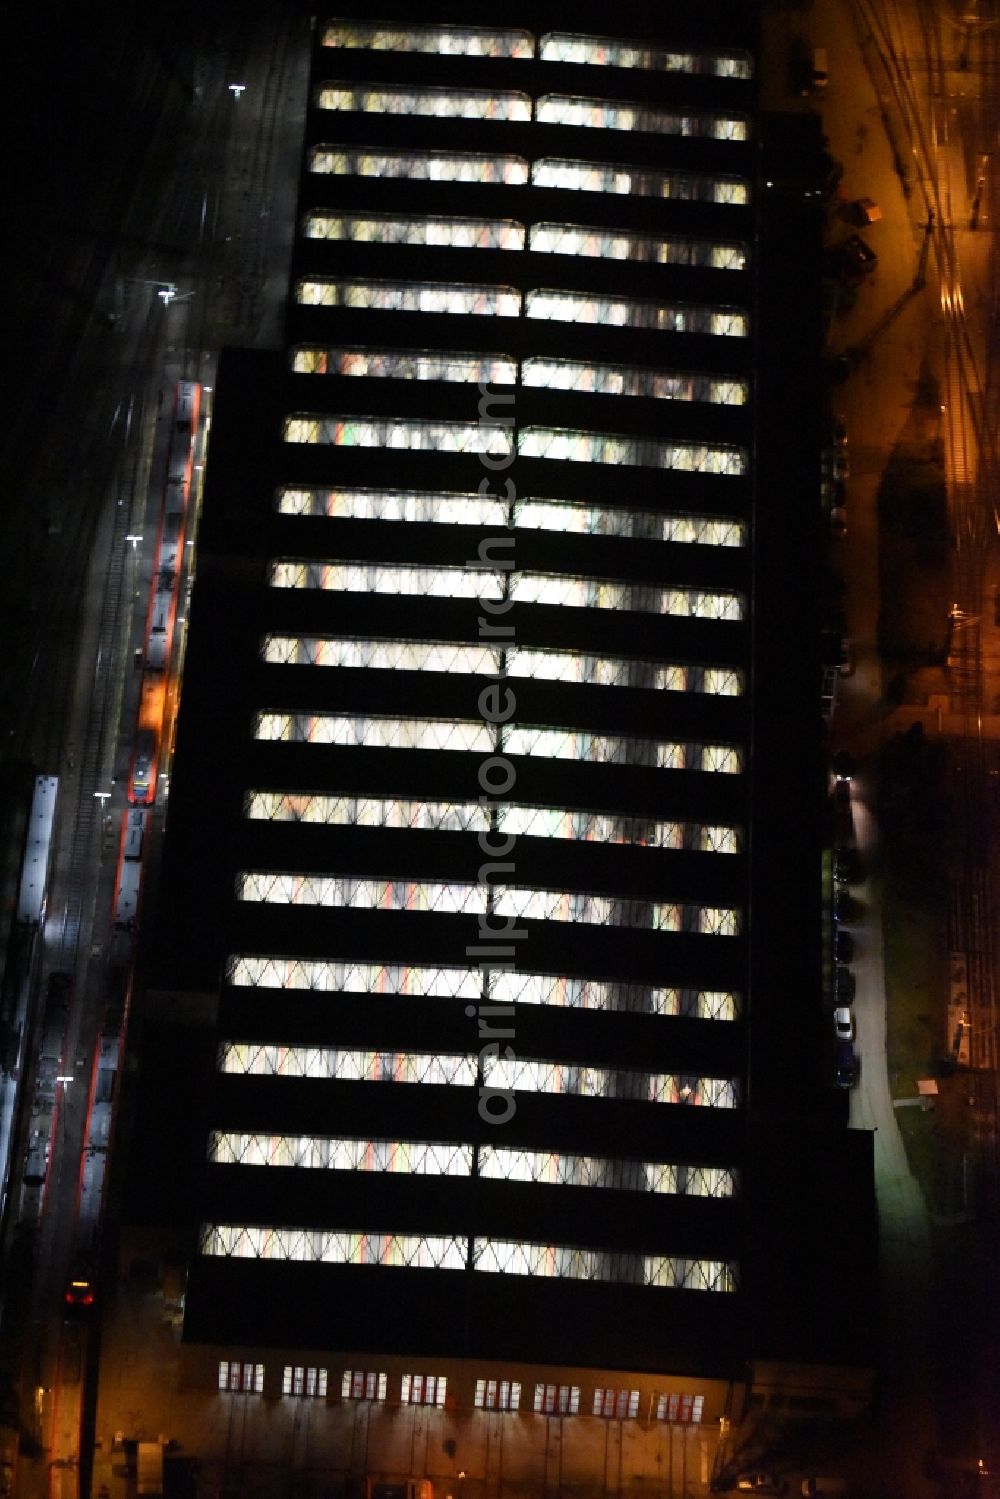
[[475, 817], [383, 731], [576, 517], [332, 892], [499, 986]]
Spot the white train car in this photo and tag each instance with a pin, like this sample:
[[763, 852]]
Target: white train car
[[32, 890], [128, 886], [163, 598]]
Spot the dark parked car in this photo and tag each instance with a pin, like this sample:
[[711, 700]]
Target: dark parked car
[[857, 254], [846, 866], [844, 984], [79, 1294], [847, 1064], [57, 991], [843, 765], [843, 946], [843, 904], [863, 211]]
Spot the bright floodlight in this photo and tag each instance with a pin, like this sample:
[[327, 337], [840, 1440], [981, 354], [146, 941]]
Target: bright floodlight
[[236, 89]]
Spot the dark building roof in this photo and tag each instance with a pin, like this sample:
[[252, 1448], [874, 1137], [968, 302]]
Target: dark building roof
[[694, 1013]]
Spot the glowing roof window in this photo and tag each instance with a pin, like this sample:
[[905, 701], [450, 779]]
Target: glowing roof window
[[381, 731], [346, 1065], [417, 166], [566, 590], [441, 103], [493, 1256], [613, 52], [606, 114], [495, 1163], [411, 296], [475, 817], [628, 244], [506, 1074], [637, 182], [528, 514], [554, 1168], [528, 1075], [379, 577], [355, 653], [379, 655], [627, 312], [398, 432], [338, 892], [250, 971], [404, 364], [634, 380], [498, 986], [445, 41], [408, 1251], [567, 445], [432, 231], [326, 1153], [419, 506]]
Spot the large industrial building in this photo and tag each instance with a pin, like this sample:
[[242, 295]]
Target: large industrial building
[[481, 1129]]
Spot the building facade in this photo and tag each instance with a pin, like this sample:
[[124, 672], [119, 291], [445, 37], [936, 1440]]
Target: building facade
[[490, 889]]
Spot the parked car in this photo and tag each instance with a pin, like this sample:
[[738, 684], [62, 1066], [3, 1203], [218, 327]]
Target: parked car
[[843, 904], [859, 255], [759, 1483], [864, 211], [841, 365], [838, 432], [838, 522], [843, 766], [844, 984], [846, 867], [841, 468], [843, 1023], [79, 1294], [843, 946], [823, 1488], [848, 1066]]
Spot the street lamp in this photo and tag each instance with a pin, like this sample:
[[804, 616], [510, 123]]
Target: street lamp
[[236, 89], [169, 293]]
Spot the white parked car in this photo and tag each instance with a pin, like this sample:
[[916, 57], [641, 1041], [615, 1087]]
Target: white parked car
[[843, 1023]]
